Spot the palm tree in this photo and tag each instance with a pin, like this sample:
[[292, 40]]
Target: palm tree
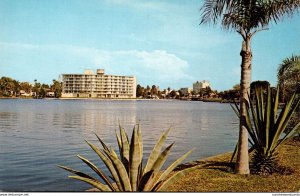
[[288, 76], [247, 17]]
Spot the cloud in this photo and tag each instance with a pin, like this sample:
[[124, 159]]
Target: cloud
[[155, 60], [156, 67], [150, 67]]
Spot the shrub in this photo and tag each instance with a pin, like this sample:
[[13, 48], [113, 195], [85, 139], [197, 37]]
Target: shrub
[[267, 128], [127, 171]]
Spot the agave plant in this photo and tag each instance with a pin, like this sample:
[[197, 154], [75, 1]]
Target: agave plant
[[127, 171], [267, 127]]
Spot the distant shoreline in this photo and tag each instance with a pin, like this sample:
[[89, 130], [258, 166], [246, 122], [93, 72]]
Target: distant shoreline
[[209, 100], [49, 98], [124, 99]]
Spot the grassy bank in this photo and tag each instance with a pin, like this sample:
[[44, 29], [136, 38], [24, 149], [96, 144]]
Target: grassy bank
[[215, 175]]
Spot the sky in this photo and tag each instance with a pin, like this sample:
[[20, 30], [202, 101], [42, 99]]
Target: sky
[[158, 41]]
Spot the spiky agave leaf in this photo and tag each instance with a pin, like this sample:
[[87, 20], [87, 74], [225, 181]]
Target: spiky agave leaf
[[102, 143], [267, 118], [291, 134], [129, 175], [119, 141], [283, 120], [121, 170], [76, 172], [96, 170], [94, 183], [125, 148], [134, 160], [236, 109], [86, 178], [108, 164], [140, 140], [144, 180], [161, 159], [156, 150], [139, 133]]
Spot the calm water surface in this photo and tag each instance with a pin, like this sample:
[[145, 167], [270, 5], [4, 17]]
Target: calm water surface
[[36, 135]]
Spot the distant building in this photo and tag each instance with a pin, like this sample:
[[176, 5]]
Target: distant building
[[186, 91], [24, 93], [90, 85], [200, 85]]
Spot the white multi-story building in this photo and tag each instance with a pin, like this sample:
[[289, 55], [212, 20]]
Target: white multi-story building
[[90, 85], [200, 85]]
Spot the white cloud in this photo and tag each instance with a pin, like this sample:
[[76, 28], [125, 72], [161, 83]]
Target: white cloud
[[155, 60], [150, 67]]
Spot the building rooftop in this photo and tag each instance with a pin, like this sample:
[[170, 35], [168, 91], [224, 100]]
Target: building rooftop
[[90, 72]]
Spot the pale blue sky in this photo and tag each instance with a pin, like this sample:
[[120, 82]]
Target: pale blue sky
[[160, 42]]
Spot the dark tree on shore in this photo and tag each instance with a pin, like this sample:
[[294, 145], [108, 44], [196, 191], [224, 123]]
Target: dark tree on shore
[[259, 84], [56, 88], [7, 86], [154, 90], [139, 91]]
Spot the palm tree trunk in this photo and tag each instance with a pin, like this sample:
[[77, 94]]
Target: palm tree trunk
[[283, 92], [242, 162]]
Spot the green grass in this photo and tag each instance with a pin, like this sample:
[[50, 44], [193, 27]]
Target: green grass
[[215, 175]]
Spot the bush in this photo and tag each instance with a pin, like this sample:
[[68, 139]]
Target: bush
[[127, 171], [268, 128]]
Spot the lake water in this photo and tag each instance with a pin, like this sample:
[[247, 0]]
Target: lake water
[[36, 135]]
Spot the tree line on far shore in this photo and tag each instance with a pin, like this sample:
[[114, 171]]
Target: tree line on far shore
[[10, 87], [204, 93]]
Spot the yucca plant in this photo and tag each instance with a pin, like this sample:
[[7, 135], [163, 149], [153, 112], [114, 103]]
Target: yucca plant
[[127, 171], [267, 127]]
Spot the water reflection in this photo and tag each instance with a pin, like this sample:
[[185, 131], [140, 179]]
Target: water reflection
[[7, 120], [38, 134]]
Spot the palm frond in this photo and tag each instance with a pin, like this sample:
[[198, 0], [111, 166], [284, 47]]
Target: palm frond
[[246, 15], [287, 66], [212, 10]]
